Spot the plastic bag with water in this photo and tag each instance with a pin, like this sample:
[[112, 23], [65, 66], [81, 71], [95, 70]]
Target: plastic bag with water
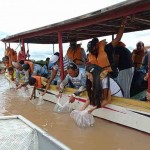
[[40, 100], [82, 118], [62, 108]]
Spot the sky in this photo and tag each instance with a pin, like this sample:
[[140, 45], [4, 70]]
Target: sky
[[22, 15]]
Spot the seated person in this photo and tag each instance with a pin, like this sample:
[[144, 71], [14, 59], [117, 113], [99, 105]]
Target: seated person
[[100, 87], [76, 78], [37, 82], [54, 66]]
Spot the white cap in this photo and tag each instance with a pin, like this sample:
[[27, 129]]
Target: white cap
[[53, 60]]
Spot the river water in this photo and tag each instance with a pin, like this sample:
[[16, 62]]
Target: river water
[[104, 135]]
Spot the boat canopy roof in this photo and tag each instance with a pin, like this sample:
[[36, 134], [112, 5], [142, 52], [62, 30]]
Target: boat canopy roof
[[100, 23]]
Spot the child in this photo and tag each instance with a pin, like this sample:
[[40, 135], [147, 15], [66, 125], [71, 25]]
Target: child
[[37, 82]]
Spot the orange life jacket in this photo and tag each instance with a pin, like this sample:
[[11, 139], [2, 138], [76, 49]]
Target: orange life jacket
[[11, 54], [75, 56], [102, 59], [31, 65], [38, 81], [137, 57]]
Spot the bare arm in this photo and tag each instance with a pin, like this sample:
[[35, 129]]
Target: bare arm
[[33, 91], [107, 97], [86, 104], [54, 73], [120, 33]]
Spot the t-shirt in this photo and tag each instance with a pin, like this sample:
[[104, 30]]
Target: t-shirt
[[114, 87], [78, 82], [125, 58]]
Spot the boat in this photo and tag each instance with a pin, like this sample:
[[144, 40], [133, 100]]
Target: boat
[[127, 112], [19, 133]]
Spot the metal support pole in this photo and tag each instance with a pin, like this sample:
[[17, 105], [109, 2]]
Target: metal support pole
[[61, 55], [23, 46]]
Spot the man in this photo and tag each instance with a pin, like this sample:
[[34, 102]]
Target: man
[[138, 54], [54, 66], [101, 53], [124, 64], [76, 54], [76, 78]]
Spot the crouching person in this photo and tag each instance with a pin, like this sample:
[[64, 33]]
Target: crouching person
[[75, 78], [100, 87], [37, 82]]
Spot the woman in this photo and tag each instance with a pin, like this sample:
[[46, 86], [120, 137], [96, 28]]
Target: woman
[[100, 87]]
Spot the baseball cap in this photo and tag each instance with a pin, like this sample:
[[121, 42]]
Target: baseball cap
[[53, 60]]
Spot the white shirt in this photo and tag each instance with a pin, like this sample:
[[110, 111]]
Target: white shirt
[[114, 87]]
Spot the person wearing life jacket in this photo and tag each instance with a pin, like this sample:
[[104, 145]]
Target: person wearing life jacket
[[102, 54], [21, 55], [37, 82], [75, 78], [138, 54], [76, 54], [11, 54]]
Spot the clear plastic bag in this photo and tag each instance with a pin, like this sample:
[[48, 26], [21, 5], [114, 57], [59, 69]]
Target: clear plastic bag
[[82, 118], [12, 85], [24, 92], [40, 100], [62, 108]]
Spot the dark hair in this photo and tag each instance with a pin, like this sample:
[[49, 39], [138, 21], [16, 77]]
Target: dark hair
[[26, 67], [95, 93], [140, 43], [21, 62], [10, 69], [72, 66], [47, 59], [91, 44], [32, 81], [5, 58], [73, 40], [57, 54]]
